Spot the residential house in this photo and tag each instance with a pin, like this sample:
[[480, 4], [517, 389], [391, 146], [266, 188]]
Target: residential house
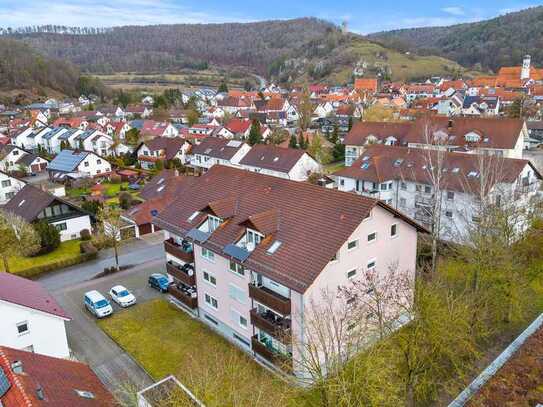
[[213, 150], [13, 158], [35, 205], [32, 320], [152, 128], [289, 163], [78, 163], [94, 140], [370, 85], [162, 149], [30, 379], [364, 134], [9, 186], [481, 106], [401, 177], [248, 238], [141, 111]]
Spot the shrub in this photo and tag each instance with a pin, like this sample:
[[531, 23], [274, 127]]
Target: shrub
[[49, 237], [115, 179], [91, 206], [125, 200], [85, 234], [35, 271], [87, 248]]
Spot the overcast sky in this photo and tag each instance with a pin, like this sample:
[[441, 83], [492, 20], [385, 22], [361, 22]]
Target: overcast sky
[[363, 16]]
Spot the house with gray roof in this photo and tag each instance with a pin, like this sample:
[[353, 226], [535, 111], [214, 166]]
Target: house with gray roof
[[77, 164]]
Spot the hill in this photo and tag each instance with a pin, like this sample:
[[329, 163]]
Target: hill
[[26, 72], [490, 44], [305, 48]]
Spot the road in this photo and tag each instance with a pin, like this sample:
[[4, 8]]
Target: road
[[262, 81], [89, 344]]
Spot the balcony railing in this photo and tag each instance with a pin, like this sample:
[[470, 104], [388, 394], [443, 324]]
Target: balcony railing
[[171, 247], [272, 324], [270, 299], [183, 295], [180, 274], [282, 361], [421, 200]]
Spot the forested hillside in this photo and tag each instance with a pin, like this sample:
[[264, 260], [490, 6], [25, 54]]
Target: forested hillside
[[24, 69], [300, 49], [501, 41]]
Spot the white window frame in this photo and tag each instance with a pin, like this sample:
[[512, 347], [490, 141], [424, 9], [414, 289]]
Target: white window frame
[[355, 241], [26, 332], [208, 299], [350, 277], [374, 261], [210, 276], [237, 267], [372, 240], [211, 257]]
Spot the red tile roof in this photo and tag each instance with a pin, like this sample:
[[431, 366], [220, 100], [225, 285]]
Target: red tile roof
[[311, 222], [272, 157], [28, 293], [59, 379], [366, 84], [380, 130], [217, 148], [237, 126]]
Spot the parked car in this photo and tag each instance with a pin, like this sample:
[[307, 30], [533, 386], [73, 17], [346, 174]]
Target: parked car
[[134, 187], [97, 304], [159, 282], [122, 296]]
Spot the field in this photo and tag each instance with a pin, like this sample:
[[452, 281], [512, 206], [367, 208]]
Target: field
[[186, 79]]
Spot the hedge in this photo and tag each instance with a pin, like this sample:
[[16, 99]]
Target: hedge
[[46, 268]]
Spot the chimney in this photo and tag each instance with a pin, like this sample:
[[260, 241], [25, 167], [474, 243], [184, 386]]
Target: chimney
[[526, 63], [17, 367]]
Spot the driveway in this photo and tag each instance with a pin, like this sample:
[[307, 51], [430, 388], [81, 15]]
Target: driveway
[[89, 344], [134, 252]]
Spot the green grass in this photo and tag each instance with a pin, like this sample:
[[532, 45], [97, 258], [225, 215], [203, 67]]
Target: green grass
[[77, 192], [164, 340], [66, 251], [333, 167]]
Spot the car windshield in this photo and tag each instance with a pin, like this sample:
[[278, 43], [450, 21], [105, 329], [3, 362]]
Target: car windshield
[[162, 280], [123, 293], [101, 304]]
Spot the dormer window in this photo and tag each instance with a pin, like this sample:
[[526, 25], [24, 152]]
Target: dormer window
[[472, 137], [250, 240], [211, 224]]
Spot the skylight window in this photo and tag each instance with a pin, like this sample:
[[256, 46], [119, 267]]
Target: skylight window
[[193, 216], [22, 202], [161, 188], [273, 248], [456, 170], [366, 158], [84, 394], [160, 181], [276, 159], [398, 162], [365, 166], [473, 174]]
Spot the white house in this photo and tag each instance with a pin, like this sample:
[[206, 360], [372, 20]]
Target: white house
[[34, 205], [213, 150], [289, 163], [82, 163], [9, 186], [162, 149], [13, 158], [32, 320], [401, 176]]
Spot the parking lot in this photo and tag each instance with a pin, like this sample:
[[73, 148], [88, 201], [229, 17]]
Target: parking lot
[[87, 341]]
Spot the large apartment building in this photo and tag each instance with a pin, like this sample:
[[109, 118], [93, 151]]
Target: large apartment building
[[404, 178], [248, 253]]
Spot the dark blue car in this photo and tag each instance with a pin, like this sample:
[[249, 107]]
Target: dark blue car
[[159, 282]]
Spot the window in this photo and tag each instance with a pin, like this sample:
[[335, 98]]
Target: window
[[351, 274], [394, 230], [427, 189], [22, 328], [10, 195], [6, 183], [352, 245], [383, 187], [208, 254], [210, 278], [98, 162], [371, 265], [237, 268], [253, 237], [372, 237], [213, 223], [61, 226], [239, 319], [449, 214], [450, 196], [342, 182], [86, 163], [390, 184], [403, 186], [403, 202], [211, 301], [418, 188]]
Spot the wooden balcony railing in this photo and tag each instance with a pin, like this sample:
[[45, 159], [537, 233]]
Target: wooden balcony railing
[[270, 299], [278, 327], [178, 273], [171, 247], [282, 361], [188, 300]]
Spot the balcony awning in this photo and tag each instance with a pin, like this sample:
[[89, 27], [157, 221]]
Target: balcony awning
[[197, 235], [238, 253]]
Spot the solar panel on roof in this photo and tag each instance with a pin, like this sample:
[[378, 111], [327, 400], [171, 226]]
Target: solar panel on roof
[[66, 160], [4, 383], [234, 143]]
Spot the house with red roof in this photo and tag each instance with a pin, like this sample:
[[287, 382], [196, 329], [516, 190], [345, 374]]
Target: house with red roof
[[32, 320], [31, 380], [162, 149], [366, 85]]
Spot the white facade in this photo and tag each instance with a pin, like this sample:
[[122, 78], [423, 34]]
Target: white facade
[[44, 334], [70, 229], [93, 165], [299, 172], [9, 186], [205, 162]]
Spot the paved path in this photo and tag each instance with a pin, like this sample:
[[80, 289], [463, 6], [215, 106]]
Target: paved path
[[89, 344]]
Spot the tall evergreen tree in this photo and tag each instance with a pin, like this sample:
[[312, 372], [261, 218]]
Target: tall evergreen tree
[[255, 134]]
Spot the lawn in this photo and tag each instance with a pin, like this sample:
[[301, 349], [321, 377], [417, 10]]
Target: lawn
[[165, 340], [333, 167], [66, 251]]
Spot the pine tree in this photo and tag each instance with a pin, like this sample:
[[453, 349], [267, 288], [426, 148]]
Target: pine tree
[[255, 135], [293, 142], [223, 87]]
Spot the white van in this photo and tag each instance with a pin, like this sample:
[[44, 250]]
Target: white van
[[97, 304]]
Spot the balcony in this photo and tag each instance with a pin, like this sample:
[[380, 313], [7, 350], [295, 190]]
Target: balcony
[[426, 201], [185, 253], [185, 295], [282, 361], [180, 273], [270, 299], [271, 323]]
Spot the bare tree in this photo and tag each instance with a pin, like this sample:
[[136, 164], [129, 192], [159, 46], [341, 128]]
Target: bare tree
[[17, 238], [110, 229]]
